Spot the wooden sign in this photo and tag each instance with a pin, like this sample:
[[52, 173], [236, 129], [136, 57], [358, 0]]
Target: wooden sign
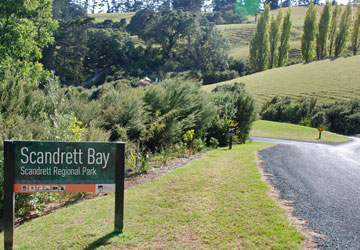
[[56, 167], [231, 131]]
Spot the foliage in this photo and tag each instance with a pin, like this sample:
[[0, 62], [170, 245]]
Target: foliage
[[309, 34], [259, 45], [107, 47], [219, 76], [274, 38], [343, 117], [26, 27], [344, 31], [284, 45], [176, 106], [188, 5], [247, 7], [206, 49], [70, 51], [333, 27], [284, 110], [337, 117], [356, 31], [231, 13], [237, 106], [187, 40], [323, 28]]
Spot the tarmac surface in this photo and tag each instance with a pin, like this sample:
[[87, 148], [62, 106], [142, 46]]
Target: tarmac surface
[[323, 182]]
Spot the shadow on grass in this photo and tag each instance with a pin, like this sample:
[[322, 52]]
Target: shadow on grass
[[101, 241]]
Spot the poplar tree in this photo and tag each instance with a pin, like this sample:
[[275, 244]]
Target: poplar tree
[[344, 31], [284, 46], [355, 31], [322, 36], [308, 37], [274, 38], [333, 27], [259, 45]]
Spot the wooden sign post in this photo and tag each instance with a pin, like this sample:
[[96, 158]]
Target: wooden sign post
[[58, 167], [320, 129]]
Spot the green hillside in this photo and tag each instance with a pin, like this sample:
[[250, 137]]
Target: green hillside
[[327, 80]]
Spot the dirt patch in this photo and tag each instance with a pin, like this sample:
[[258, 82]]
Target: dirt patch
[[301, 225], [157, 172]]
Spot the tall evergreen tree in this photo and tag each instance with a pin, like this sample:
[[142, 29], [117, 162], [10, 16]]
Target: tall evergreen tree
[[284, 46], [344, 31], [308, 37], [274, 38], [322, 36], [356, 31], [274, 4], [220, 4], [188, 5], [333, 27], [259, 45]]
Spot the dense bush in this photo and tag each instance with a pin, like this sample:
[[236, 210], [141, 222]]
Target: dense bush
[[338, 117], [283, 109], [343, 117], [219, 76], [236, 107], [176, 106]]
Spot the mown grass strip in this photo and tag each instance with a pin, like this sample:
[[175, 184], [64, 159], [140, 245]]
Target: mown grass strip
[[217, 202], [291, 131]]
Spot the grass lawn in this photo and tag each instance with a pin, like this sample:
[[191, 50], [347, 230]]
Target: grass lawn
[[218, 202], [290, 131], [326, 80]]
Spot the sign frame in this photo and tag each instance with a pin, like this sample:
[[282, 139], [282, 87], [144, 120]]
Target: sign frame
[[9, 182], [231, 131]]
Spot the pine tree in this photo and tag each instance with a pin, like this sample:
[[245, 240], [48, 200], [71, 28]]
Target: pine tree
[[356, 31], [344, 31], [322, 36], [259, 45], [308, 37], [274, 38], [333, 27], [284, 46]]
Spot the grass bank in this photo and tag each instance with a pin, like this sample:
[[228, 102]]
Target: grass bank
[[217, 202], [326, 80], [291, 131]]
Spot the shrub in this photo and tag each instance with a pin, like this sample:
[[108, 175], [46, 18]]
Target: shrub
[[236, 105], [285, 110], [219, 76], [174, 107]]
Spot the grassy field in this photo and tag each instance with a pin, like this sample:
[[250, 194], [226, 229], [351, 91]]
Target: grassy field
[[116, 17], [326, 80], [218, 202], [291, 131], [240, 35]]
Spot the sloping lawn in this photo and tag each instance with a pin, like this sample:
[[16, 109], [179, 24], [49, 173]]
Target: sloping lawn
[[217, 202], [291, 131]]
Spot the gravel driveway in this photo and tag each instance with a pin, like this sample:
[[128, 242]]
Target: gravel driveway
[[323, 181]]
